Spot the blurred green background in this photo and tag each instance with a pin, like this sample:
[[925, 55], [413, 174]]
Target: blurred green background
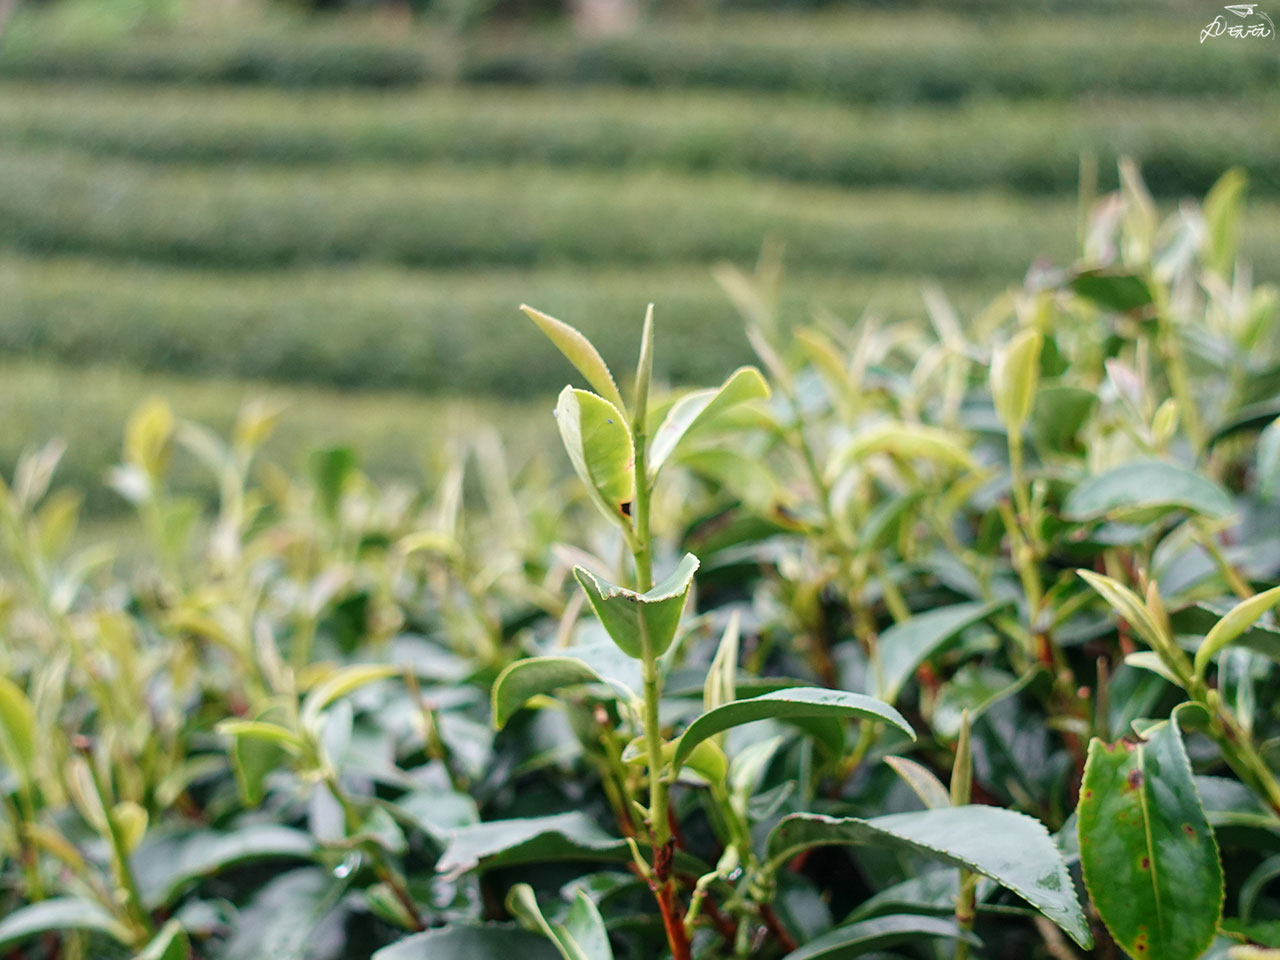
[[342, 204]]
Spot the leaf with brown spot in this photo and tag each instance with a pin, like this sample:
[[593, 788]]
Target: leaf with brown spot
[[1149, 856]]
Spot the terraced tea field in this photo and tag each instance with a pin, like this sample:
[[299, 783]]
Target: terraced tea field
[[337, 207]]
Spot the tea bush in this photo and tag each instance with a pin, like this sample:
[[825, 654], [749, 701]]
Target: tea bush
[[1182, 144], [943, 634], [854, 58]]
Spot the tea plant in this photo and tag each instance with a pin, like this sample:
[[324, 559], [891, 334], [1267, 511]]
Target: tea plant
[[922, 639]]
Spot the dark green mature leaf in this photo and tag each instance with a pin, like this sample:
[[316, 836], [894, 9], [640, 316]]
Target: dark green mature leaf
[[166, 863], [632, 618], [62, 914], [904, 646], [527, 840], [1112, 290], [697, 407], [794, 703], [470, 943], [1012, 849], [331, 470], [1058, 414], [855, 939], [1146, 487], [1149, 856], [1269, 461], [599, 444]]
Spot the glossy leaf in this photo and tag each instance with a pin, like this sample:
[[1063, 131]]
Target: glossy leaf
[[906, 645], [699, 407], [578, 350], [633, 619], [58, 915], [526, 840], [525, 679], [1145, 488], [1128, 604], [1242, 616], [600, 447], [1149, 856], [878, 933], [470, 943], [1010, 848], [167, 862], [794, 703], [582, 936]]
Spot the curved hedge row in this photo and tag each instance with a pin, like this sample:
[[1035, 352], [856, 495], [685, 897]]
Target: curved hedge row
[[1182, 145], [371, 327], [913, 56]]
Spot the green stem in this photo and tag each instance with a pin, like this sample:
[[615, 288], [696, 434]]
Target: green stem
[[137, 913]]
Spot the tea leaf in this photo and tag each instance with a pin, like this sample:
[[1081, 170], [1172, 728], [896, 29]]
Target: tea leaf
[[1015, 371], [793, 703], [1149, 856], [1242, 616], [17, 729], [1222, 208], [470, 943], [600, 447], [1129, 605], [582, 936], [698, 407], [171, 943], [1012, 849], [1112, 290], [58, 915], [525, 679], [904, 646], [1269, 461], [167, 862], [632, 618], [922, 782], [529, 840], [578, 350], [878, 933], [907, 441], [341, 683], [1147, 487]]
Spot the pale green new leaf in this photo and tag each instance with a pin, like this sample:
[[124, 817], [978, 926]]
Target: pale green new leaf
[[341, 683], [1128, 604], [1015, 371], [635, 620], [922, 782], [171, 943], [699, 407], [1242, 616], [793, 703], [1011, 848], [581, 937], [17, 729], [1222, 208], [579, 351], [600, 447], [906, 441]]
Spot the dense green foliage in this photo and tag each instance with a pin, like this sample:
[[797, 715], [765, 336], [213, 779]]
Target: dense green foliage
[[887, 648]]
